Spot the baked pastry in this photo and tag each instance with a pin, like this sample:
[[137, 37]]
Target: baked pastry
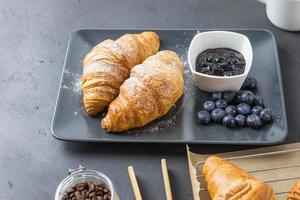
[[152, 89], [294, 193], [225, 181], [108, 65]]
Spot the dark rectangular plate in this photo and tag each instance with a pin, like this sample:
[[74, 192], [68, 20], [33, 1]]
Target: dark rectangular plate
[[179, 125]]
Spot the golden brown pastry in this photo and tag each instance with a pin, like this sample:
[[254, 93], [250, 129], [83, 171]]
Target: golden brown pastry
[[225, 181], [152, 89], [294, 193], [108, 65]]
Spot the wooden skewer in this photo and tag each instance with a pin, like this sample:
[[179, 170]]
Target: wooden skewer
[[134, 184], [167, 185]]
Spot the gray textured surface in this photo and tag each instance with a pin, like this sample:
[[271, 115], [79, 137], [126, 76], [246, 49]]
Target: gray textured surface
[[33, 38]]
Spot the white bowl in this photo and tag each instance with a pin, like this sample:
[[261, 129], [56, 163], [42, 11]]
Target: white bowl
[[219, 39]]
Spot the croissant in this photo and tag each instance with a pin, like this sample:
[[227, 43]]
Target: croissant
[[225, 181], [152, 89], [294, 193], [108, 65]]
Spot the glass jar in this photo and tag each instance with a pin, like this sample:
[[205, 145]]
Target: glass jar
[[81, 174]]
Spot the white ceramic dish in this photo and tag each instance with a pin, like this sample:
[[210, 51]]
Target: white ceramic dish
[[219, 39]]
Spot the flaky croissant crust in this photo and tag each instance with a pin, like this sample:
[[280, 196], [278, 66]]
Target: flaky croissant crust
[[152, 89], [294, 193], [225, 181], [108, 65]]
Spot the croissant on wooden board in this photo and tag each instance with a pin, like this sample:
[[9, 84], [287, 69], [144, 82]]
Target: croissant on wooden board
[[294, 193], [152, 89], [108, 65], [225, 181]]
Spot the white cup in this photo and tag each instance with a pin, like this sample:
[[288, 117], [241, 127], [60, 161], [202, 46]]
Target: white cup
[[284, 14]]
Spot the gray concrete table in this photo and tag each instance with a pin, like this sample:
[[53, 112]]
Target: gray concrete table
[[33, 41]]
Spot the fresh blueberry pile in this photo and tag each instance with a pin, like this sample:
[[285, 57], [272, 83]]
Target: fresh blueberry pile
[[236, 109]]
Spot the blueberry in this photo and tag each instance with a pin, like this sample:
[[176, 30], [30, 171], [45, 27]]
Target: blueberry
[[250, 83], [240, 120], [244, 109], [253, 121], [257, 109], [217, 115], [247, 97], [216, 96], [209, 106], [221, 104], [266, 115], [228, 96], [231, 110], [258, 100], [203, 117], [229, 121], [238, 96]]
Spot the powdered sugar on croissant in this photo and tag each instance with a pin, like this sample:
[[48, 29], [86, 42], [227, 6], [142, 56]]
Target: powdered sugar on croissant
[[108, 65], [152, 89]]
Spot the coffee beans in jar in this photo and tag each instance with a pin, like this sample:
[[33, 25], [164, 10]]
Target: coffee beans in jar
[[87, 190]]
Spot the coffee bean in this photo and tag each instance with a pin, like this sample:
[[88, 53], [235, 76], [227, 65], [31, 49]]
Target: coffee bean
[[80, 197], [71, 190], [80, 187], [92, 187], [93, 194], [99, 184], [86, 183], [77, 193], [66, 197], [87, 190]]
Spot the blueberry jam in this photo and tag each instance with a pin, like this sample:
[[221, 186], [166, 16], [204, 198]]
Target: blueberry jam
[[220, 62]]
